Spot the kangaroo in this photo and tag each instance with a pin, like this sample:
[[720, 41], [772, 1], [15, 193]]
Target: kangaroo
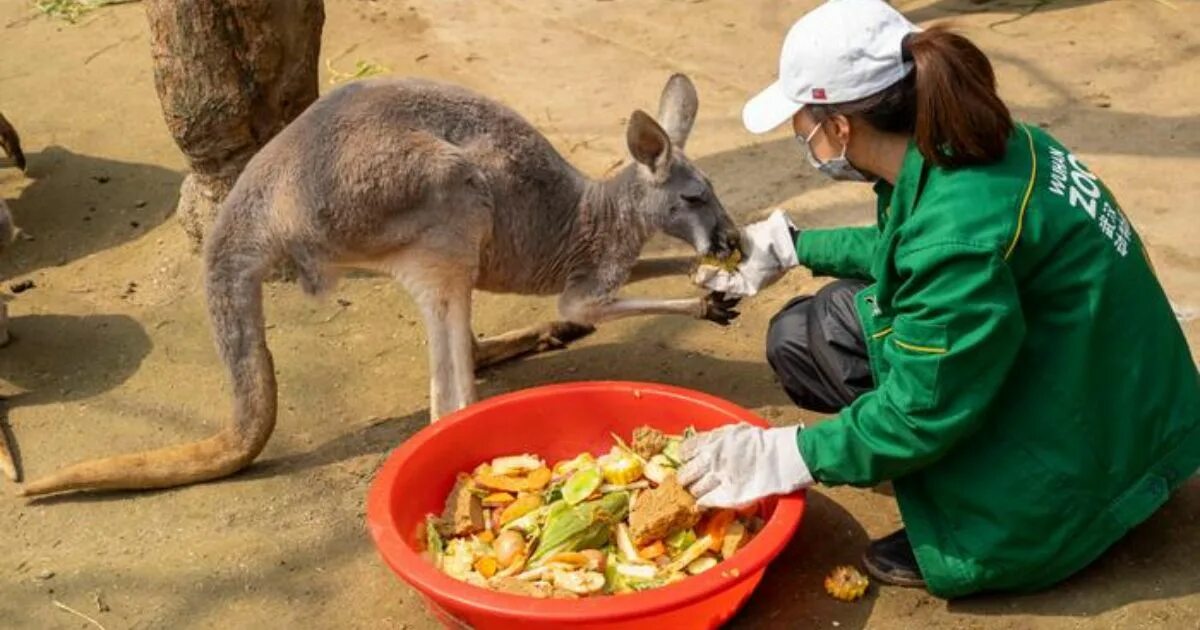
[[447, 191]]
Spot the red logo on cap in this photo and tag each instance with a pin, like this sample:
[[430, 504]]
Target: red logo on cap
[[818, 94]]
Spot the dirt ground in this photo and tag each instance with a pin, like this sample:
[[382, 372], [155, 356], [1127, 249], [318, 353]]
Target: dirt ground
[[113, 351]]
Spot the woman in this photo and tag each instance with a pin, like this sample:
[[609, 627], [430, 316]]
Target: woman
[[997, 344]]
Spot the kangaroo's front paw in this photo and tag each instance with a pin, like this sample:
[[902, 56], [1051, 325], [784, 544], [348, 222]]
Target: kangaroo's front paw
[[558, 334], [719, 308]]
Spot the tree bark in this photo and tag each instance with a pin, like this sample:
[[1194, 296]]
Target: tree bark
[[230, 75]]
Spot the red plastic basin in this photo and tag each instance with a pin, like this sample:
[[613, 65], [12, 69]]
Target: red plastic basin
[[557, 422]]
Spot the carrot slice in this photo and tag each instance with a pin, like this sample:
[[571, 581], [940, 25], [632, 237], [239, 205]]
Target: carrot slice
[[716, 525], [652, 551], [498, 499], [486, 566]]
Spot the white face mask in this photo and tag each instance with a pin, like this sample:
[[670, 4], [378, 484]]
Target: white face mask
[[838, 168]]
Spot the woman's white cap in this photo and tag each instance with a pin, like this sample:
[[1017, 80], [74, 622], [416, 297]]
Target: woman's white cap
[[839, 52]]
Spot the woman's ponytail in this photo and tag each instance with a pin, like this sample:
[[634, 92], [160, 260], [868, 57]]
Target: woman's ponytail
[[960, 120]]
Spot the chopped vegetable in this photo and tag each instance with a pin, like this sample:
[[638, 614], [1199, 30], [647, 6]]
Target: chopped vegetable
[[701, 564], [508, 546], [486, 537], [433, 542], [715, 526], [486, 566], [656, 472], [694, 551], [518, 565], [581, 484], [498, 499], [625, 544], [672, 451], [516, 464], [681, 539], [637, 485], [653, 550], [648, 442], [637, 571], [596, 560], [621, 468], [846, 584], [735, 537], [567, 467], [459, 558], [533, 481], [579, 582], [570, 558], [584, 526], [524, 504]]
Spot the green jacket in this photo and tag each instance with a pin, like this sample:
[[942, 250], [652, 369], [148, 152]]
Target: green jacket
[[1035, 396]]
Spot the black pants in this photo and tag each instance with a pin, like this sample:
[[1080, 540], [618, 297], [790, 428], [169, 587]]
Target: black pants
[[817, 348]]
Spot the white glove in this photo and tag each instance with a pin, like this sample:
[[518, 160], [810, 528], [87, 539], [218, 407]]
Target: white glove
[[738, 464], [768, 249]]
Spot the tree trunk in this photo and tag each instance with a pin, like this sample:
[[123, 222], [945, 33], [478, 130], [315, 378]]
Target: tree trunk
[[230, 75]]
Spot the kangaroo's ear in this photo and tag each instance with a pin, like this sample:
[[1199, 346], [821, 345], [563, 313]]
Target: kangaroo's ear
[[648, 143], [677, 109]]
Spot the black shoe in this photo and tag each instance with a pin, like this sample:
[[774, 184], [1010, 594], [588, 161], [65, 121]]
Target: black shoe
[[891, 561]]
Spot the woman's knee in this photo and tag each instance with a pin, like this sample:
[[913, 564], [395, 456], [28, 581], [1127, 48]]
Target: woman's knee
[[787, 334]]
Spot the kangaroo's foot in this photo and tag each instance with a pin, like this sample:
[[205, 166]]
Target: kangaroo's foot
[[532, 340]]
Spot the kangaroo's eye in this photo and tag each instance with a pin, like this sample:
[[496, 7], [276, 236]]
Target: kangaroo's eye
[[694, 200]]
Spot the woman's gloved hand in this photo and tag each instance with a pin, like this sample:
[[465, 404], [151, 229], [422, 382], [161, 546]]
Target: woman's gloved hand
[[739, 464], [768, 249]]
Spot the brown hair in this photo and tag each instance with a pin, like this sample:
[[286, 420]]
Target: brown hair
[[948, 104]]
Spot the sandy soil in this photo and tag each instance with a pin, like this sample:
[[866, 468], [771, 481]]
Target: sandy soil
[[113, 352]]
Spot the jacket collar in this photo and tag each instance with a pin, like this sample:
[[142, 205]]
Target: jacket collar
[[903, 196]]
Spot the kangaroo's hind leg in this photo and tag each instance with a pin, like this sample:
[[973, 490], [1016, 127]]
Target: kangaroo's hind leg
[[439, 268], [492, 351], [443, 294]]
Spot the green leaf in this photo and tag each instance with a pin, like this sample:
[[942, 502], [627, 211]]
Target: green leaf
[[433, 542], [681, 539], [588, 525]]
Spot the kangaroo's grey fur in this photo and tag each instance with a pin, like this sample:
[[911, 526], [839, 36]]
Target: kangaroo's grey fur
[[448, 191]]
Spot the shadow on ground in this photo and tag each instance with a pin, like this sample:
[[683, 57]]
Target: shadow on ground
[[792, 593], [60, 358], [1012, 10], [75, 205], [651, 361]]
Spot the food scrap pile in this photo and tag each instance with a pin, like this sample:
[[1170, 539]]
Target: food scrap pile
[[587, 526], [728, 263]]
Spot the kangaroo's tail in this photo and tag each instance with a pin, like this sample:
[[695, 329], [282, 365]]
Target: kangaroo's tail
[[235, 264]]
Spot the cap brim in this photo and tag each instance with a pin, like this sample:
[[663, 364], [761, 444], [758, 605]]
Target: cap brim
[[769, 109]]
